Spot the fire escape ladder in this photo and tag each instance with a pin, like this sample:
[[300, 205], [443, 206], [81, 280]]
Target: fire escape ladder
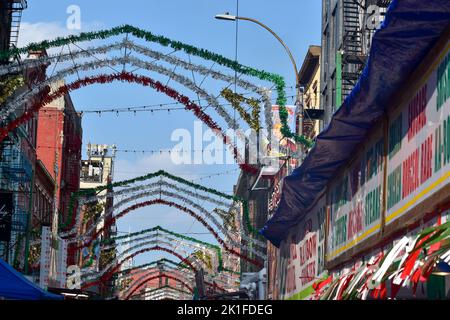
[[353, 56], [16, 7]]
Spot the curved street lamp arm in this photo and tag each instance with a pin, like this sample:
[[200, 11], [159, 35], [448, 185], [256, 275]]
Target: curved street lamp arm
[[281, 41]]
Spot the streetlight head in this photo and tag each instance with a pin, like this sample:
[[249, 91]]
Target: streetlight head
[[225, 16]]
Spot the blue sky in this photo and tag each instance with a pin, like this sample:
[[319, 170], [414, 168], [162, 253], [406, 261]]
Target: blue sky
[[296, 21]]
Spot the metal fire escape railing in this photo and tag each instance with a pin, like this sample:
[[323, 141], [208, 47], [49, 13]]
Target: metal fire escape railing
[[357, 39], [16, 7], [353, 58], [16, 177]]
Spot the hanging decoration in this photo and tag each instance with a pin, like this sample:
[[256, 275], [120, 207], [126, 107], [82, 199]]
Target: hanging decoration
[[94, 200], [128, 77], [205, 258], [108, 275], [9, 86], [155, 55], [171, 266], [93, 193], [160, 192], [277, 80], [170, 244], [410, 261], [107, 224], [236, 101], [118, 239], [163, 275]]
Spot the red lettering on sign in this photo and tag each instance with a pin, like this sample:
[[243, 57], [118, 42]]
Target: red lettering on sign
[[355, 221], [410, 174], [308, 249], [426, 159], [308, 273], [290, 279], [417, 117]]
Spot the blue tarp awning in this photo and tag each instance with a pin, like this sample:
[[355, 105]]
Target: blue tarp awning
[[14, 286], [409, 31]]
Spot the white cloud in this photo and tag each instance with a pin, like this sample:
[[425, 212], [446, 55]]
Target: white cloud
[[40, 31], [37, 32]]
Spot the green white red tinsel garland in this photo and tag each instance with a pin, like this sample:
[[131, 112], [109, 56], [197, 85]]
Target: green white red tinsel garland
[[189, 49]]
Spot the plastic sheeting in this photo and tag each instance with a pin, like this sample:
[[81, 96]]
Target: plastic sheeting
[[409, 31], [15, 286]]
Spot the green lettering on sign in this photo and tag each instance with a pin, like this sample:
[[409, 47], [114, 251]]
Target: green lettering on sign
[[442, 145], [372, 206], [394, 189], [443, 84], [395, 136], [340, 231]]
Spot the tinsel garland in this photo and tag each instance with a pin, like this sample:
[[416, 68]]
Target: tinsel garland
[[172, 195], [136, 287], [123, 274], [167, 243], [136, 62], [205, 258], [144, 279], [190, 212], [128, 77], [108, 223], [158, 277], [277, 80], [9, 86], [158, 238], [170, 266], [177, 235], [109, 212], [108, 275], [131, 190], [136, 282], [236, 101], [156, 55], [92, 192], [230, 238], [167, 287], [184, 272], [91, 275]]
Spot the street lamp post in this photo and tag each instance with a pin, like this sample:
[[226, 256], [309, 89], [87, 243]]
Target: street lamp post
[[298, 102]]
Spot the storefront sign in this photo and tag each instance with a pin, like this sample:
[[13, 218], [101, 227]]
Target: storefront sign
[[305, 248], [356, 200], [419, 143], [62, 264], [45, 257], [6, 211]]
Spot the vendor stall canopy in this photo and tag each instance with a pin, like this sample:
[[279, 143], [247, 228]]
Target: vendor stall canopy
[[409, 31], [14, 286]]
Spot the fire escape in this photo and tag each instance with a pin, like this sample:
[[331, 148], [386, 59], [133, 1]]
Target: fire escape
[[15, 165], [356, 39], [16, 8]]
